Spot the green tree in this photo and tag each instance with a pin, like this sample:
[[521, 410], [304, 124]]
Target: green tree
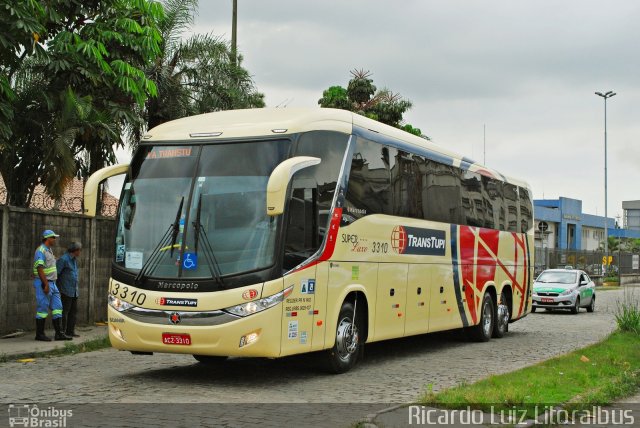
[[195, 75], [71, 102], [361, 96]]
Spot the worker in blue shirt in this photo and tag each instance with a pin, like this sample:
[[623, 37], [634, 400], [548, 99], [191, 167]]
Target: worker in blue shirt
[[67, 267], [47, 294]]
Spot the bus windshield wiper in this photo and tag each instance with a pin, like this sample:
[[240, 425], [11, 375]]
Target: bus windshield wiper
[[214, 267], [169, 237]]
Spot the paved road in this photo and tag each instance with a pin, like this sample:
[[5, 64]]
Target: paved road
[[393, 372]]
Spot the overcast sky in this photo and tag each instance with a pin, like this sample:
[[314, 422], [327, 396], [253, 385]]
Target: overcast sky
[[527, 69]]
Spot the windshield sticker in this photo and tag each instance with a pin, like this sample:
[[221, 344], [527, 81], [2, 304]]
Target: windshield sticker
[[166, 153], [308, 286], [133, 260], [293, 329], [176, 301], [425, 242], [190, 261], [120, 250], [303, 337]]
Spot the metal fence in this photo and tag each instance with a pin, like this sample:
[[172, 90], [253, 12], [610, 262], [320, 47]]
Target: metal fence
[[592, 262], [107, 204]]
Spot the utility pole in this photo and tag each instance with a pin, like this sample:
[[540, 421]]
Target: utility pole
[[234, 33]]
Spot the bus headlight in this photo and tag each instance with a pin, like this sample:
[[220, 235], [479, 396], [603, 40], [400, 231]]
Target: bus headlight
[[260, 305], [118, 304]]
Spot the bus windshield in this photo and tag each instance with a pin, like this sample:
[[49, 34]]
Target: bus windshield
[[206, 200]]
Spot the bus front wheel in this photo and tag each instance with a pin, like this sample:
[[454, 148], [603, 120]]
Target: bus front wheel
[[348, 347], [482, 332]]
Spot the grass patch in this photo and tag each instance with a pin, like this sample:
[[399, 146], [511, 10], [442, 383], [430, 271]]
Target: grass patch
[[612, 371], [67, 349], [628, 313]]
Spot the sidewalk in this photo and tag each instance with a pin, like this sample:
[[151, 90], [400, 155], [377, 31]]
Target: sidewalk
[[25, 344]]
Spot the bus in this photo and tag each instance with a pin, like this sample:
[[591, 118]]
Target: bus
[[273, 232]]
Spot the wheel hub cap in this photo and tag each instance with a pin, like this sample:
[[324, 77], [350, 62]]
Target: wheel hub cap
[[346, 338]]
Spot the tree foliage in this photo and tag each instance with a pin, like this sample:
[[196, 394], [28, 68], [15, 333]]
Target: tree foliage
[[361, 96], [78, 75], [71, 76], [615, 244], [195, 75]]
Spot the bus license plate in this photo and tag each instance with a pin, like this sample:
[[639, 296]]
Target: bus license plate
[[547, 300], [176, 339]]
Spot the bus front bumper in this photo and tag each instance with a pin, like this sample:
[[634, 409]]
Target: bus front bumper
[[256, 335]]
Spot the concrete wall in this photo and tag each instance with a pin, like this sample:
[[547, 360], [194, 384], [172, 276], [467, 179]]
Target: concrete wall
[[20, 233]]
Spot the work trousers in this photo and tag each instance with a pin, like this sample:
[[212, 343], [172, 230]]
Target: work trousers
[[44, 302], [70, 309]]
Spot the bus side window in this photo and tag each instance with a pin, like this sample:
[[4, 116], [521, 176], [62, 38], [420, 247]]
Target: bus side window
[[369, 190], [526, 210], [441, 192], [312, 193], [302, 229]]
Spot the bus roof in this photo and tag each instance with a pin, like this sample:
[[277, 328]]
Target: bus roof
[[283, 121]]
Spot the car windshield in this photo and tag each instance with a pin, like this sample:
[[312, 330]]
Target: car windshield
[[208, 200], [558, 277]]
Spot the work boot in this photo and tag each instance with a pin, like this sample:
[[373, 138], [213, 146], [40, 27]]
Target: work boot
[[40, 330], [57, 325]]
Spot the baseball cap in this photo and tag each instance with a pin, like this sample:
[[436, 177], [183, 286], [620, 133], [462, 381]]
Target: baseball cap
[[49, 234]]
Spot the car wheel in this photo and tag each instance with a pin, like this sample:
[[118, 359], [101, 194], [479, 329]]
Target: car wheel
[[348, 347], [592, 306], [533, 309], [501, 326], [210, 360], [576, 307], [482, 332]]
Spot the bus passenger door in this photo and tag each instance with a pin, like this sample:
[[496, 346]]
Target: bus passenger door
[[418, 300], [445, 311], [298, 312], [391, 300]]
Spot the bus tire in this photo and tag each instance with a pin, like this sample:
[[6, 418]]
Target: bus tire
[[501, 325], [348, 347], [483, 331], [209, 360]]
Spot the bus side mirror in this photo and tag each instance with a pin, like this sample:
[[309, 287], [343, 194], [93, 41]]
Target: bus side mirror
[[93, 183], [279, 181]]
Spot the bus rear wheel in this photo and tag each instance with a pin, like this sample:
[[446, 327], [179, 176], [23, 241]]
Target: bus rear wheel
[[348, 347], [483, 331], [209, 360], [501, 325]]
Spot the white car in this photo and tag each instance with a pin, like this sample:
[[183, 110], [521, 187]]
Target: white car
[[564, 289]]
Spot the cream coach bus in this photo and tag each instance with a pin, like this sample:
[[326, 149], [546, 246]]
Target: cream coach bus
[[272, 232]]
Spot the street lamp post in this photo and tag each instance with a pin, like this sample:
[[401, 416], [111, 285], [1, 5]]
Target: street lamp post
[[605, 96]]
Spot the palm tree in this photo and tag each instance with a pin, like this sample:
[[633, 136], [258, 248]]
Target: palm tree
[[196, 75]]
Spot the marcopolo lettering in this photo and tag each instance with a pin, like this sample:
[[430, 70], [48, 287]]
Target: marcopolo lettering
[[412, 240]]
